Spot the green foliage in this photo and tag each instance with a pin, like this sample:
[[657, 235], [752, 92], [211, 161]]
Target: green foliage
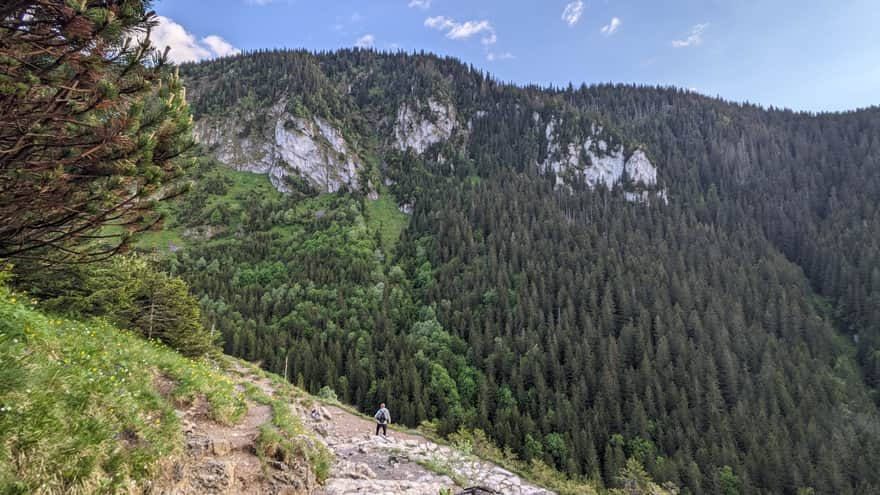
[[328, 395], [315, 261], [534, 448], [634, 480], [575, 329], [131, 293], [80, 405], [384, 217], [728, 482], [92, 128], [555, 446]]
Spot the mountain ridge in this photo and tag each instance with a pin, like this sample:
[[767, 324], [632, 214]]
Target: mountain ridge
[[605, 289], [282, 141], [501, 276]]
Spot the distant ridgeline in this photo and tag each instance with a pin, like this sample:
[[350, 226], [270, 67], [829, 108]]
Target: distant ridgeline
[[588, 275]]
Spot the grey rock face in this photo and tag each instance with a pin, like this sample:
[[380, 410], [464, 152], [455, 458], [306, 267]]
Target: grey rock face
[[417, 128], [600, 164], [311, 149]]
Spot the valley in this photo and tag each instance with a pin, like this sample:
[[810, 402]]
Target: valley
[[217, 260], [524, 281]]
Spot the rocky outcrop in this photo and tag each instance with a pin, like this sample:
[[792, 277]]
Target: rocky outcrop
[[419, 126], [640, 170], [397, 468], [646, 197], [281, 145], [479, 114], [403, 463], [596, 160], [599, 163], [339, 486]]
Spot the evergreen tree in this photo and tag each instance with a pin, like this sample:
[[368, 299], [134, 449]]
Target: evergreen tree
[[91, 124]]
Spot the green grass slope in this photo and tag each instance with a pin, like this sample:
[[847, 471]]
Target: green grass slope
[[80, 409], [384, 216], [228, 203]]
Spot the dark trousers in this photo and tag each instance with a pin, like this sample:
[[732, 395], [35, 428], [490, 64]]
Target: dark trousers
[[384, 429]]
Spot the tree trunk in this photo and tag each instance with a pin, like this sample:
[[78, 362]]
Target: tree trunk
[[152, 312]]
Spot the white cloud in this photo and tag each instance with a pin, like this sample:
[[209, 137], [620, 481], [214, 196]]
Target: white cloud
[[184, 46], [489, 39], [439, 22], [422, 4], [491, 56], [611, 27], [695, 37], [463, 30], [365, 41], [572, 13], [468, 29], [219, 46]]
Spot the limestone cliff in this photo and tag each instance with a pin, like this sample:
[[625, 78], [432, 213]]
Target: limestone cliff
[[313, 150], [281, 145], [600, 163], [419, 126]]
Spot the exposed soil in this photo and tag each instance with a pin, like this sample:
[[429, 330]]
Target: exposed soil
[[222, 459]]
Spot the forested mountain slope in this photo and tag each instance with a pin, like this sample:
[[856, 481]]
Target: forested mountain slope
[[588, 275]]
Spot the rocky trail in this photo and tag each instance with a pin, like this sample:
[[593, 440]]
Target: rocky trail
[[222, 459], [366, 463]]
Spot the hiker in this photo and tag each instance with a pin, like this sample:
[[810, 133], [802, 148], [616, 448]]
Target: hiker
[[383, 417]]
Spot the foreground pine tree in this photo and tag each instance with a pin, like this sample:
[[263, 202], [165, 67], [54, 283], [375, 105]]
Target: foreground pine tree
[[91, 121]]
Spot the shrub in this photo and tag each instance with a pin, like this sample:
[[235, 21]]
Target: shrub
[[129, 292]]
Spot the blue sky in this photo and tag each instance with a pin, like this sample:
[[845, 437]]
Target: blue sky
[[816, 55]]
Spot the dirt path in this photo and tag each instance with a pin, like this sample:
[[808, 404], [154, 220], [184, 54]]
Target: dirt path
[[350, 425], [221, 459]]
